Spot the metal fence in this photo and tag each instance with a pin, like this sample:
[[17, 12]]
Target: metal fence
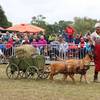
[[6, 50], [55, 52], [51, 52]]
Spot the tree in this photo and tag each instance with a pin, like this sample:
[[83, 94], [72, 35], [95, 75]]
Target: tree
[[84, 24], [57, 27], [63, 24], [3, 19], [39, 21], [81, 25]]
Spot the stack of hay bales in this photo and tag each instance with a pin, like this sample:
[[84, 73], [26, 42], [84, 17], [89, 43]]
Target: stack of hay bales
[[39, 61], [27, 54], [25, 51]]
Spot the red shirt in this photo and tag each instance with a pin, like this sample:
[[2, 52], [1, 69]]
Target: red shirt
[[9, 45], [69, 30]]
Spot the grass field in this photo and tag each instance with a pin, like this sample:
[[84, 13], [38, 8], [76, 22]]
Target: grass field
[[26, 89]]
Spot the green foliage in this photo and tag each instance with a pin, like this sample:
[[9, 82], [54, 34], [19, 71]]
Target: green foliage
[[57, 27], [39, 61], [3, 19], [23, 63], [63, 24], [84, 24], [39, 21]]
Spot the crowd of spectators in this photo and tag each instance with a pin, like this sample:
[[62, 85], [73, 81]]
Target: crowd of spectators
[[59, 45]]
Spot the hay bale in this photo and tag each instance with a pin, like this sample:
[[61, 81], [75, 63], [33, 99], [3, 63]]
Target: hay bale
[[25, 51], [39, 61]]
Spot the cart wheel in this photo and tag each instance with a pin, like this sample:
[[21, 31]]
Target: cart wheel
[[31, 72], [44, 73], [3, 60], [22, 74], [12, 71]]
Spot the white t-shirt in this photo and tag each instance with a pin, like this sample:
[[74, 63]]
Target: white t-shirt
[[1, 53], [95, 38], [64, 47]]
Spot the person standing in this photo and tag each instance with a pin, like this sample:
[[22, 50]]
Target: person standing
[[70, 31], [63, 49], [42, 43], [96, 42], [82, 48]]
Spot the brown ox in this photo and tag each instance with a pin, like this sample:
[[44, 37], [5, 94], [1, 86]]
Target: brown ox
[[71, 67]]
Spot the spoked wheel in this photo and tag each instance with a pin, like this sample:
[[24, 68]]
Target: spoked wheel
[[43, 73], [22, 74], [3, 60], [12, 71], [31, 72]]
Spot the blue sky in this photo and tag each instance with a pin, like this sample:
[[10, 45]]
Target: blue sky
[[21, 11]]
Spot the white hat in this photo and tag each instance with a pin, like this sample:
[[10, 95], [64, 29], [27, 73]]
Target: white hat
[[97, 25]]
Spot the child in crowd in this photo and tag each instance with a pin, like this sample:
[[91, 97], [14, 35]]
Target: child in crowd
[[63, 48]]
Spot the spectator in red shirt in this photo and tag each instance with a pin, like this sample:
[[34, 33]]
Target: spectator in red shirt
[[70, 31], [9, 47]]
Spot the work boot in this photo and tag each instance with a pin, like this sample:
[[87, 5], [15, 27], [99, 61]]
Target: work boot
[[96, 81], [96, 78]]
